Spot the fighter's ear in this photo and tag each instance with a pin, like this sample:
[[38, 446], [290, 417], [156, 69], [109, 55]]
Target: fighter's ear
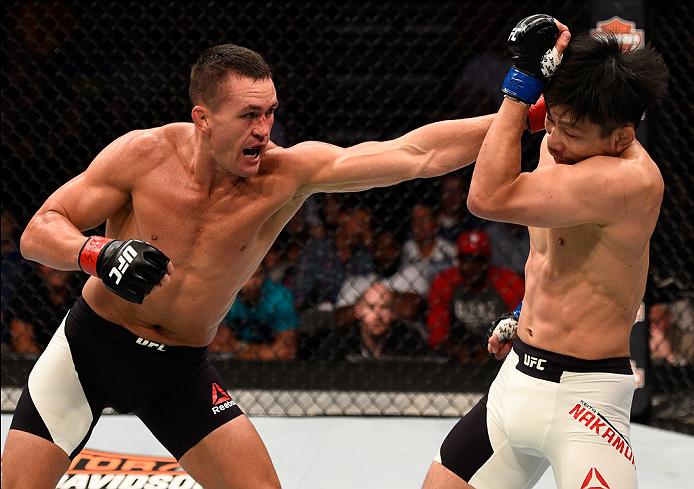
[[201, 118], [622, 137]]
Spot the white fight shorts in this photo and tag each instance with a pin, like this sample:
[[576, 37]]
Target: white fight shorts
[[548, 409]]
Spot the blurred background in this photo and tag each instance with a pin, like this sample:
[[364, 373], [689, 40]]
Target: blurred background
[[373, 303]]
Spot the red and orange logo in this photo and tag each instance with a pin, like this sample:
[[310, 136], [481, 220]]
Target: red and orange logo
[[219, 395], [92, 468], [626, 31]]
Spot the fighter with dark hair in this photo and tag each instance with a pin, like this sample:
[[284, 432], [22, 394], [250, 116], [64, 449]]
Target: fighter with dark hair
[[563, 395], [209, 197]]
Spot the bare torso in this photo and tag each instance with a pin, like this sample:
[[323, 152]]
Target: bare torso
[[584, 284], [215, 239]]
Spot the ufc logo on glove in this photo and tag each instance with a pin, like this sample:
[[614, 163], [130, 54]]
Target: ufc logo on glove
[[149, 265], [125, 258]]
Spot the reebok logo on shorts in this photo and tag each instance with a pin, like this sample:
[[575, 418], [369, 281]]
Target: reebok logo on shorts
[[594, 480], [587, 415], [221, 400]]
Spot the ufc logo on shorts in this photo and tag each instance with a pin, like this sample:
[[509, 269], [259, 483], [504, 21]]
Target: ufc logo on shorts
[[150, 344], [125, 258], [533, 362]]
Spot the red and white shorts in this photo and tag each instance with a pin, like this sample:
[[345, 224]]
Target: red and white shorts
[[548, 409]]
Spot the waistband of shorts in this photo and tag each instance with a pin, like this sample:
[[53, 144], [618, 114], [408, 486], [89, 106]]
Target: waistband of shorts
[[87, 323], [547, 365]]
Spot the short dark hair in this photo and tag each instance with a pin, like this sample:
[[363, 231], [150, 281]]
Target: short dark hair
[[600, 81], [216, 63]]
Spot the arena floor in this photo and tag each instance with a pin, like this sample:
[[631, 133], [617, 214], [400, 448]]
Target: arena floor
[[372, 453]]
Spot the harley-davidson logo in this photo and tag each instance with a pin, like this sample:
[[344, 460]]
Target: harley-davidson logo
[[626, 32], [92, 468]]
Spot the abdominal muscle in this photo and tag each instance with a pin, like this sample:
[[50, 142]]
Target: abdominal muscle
[[573, 317], [171, 315], [188, 309]]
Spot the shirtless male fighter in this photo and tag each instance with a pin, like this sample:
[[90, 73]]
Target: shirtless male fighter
[[190, 211], [563, 395]]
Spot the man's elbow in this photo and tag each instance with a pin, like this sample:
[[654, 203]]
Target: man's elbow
[[480, 205], [27, 241]]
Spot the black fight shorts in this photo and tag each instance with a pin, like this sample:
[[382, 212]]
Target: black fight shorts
[[91, 364]]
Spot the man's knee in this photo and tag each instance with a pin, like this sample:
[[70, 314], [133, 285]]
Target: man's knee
[[233, 455], [29, 461], [439, 477]]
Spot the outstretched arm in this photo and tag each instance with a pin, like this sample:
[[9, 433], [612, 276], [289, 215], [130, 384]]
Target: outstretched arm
[[429, 151]]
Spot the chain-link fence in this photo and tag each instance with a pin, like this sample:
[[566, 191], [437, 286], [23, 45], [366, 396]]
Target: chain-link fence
[[76, 75]]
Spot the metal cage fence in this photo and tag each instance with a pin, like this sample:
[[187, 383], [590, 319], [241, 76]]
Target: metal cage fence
[[76, 75]]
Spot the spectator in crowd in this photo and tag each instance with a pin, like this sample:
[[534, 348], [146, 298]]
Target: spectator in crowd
[[387, 256], [14, 268], [280, 260], [464, 300], [327, 261], [282, 257], [261, 324], [425, 254], [331, 211], [510, 245], [378, 333], [364, 218], [453, 217], [484, 61], [671, 341], [45, 296]]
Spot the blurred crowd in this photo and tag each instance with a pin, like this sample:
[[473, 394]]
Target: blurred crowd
[[343, 283]]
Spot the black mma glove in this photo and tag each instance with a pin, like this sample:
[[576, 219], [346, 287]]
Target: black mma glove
[[534, 57], [129, 268]]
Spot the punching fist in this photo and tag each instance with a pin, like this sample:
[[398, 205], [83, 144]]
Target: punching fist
[[502, 331], [129, 268], [535, 57]]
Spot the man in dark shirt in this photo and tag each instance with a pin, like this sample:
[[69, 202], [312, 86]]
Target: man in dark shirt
[[379, 335], [464, 300], [46, 295]]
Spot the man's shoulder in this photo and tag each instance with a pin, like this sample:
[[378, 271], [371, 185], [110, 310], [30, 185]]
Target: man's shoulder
[[632, 182], [302, 158], [506, 281], [502, 273], [635, 169], [147, 146], [449, 277], [164, 139], [298, 152]]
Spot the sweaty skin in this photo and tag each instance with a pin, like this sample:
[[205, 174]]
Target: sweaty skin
[[591, 207], [214, 237], [584, 283], [189, 190], [590, 221]]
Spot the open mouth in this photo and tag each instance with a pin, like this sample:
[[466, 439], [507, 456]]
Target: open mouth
[[252, 152]]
